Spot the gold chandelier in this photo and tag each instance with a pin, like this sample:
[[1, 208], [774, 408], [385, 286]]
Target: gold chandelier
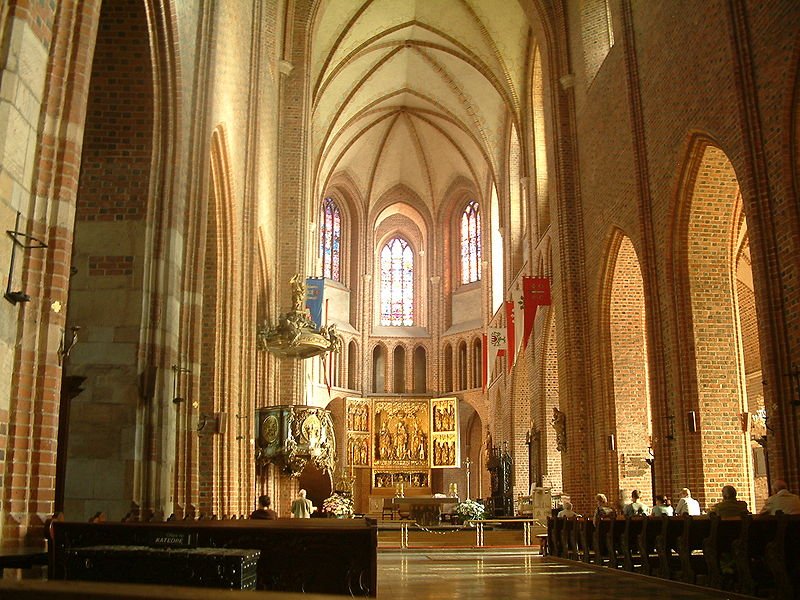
[[296, 335]]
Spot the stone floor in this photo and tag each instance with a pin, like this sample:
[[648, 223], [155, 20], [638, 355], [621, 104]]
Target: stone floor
[[498, 574]]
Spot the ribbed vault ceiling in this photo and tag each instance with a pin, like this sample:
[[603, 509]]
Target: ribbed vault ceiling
[[417, 93]]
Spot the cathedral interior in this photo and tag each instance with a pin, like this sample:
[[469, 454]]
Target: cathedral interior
[[562, 231]]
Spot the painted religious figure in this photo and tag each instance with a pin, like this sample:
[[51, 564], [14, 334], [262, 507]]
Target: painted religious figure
[[401, 436]]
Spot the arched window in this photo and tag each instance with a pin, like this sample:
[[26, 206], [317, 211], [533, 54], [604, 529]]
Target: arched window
[[330, 237], [397, 283], [471, 243]]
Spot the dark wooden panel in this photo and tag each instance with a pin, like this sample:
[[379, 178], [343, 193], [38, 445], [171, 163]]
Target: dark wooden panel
[[332, 556]]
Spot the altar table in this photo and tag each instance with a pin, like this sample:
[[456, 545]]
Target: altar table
[[425, 510]]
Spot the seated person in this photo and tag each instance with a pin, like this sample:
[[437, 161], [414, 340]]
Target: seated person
[[687, 505], [603, 510], [264, 511], [730, 506], [567, 511], [782, 500], [662, 507], [636, 507]]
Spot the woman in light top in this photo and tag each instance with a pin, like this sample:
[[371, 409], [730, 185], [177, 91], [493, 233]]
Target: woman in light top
[[662, 507], [603, 510]]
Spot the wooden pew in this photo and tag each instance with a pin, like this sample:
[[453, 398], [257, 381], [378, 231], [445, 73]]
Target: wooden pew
[[574, 552], [616, 527], [629, 542], [568, 545], [667, 546], [646, 540], [600, 554], [785, 566], [331, 556], [749, 553], [585, 536], [718, 551], [690, 548]]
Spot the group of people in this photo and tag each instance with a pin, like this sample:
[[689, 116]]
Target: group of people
[[302, 508], [782, 500]]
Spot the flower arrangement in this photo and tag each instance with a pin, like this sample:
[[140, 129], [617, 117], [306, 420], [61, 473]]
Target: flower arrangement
[[338, 505], [470, 509]]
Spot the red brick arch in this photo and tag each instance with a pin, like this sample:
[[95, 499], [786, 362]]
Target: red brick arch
[[629, 418], [713, 397]]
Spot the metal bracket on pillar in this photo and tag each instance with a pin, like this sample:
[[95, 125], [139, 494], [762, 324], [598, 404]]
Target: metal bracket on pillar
[[26, 242]]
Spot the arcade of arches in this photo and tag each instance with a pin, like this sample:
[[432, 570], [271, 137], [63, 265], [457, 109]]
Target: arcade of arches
[[173, 163]]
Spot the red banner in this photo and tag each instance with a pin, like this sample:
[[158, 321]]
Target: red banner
[[535, 293]]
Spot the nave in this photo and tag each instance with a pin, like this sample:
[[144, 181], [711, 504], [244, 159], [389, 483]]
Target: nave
[[501, 573]]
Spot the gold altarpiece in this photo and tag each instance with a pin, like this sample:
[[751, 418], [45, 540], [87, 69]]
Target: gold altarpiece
[[401, 440]]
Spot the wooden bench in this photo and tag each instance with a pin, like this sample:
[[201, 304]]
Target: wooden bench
[[785, 566], [629, 542], [542, 537], [754, 555], [616, 527], [753, 574], [585, 536], [22, 558], [696, 531], [667, 546], [600, 537], [325, 556], [717, 551]]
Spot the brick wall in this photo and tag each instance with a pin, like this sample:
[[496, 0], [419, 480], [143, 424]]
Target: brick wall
[[632, 414]]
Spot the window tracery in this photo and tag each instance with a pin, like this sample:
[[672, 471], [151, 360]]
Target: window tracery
[[471, 243], [397, 283], [330, 239]]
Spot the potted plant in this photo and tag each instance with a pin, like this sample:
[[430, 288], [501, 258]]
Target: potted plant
[[338, 505], [469, 510]]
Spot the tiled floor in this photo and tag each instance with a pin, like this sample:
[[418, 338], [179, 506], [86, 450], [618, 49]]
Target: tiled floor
[[498, 574]]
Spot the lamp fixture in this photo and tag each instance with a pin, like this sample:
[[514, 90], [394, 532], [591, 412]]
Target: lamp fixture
[[177, 370], [26, 242]]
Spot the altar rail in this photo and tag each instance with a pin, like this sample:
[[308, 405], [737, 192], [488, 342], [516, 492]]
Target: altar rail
[[323, 556], [753, 555]]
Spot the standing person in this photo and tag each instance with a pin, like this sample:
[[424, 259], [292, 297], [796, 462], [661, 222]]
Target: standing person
[[263, 511], [301, 506], [781, 500], [687, 505], [662, 507], [636, 507]]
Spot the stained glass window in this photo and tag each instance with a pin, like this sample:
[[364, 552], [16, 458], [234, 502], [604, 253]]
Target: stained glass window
[[397, 283], [330, 237], [471, 243]]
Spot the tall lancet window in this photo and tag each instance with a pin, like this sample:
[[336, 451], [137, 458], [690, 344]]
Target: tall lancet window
[[330, 237], [397, 283], [471, 243]]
